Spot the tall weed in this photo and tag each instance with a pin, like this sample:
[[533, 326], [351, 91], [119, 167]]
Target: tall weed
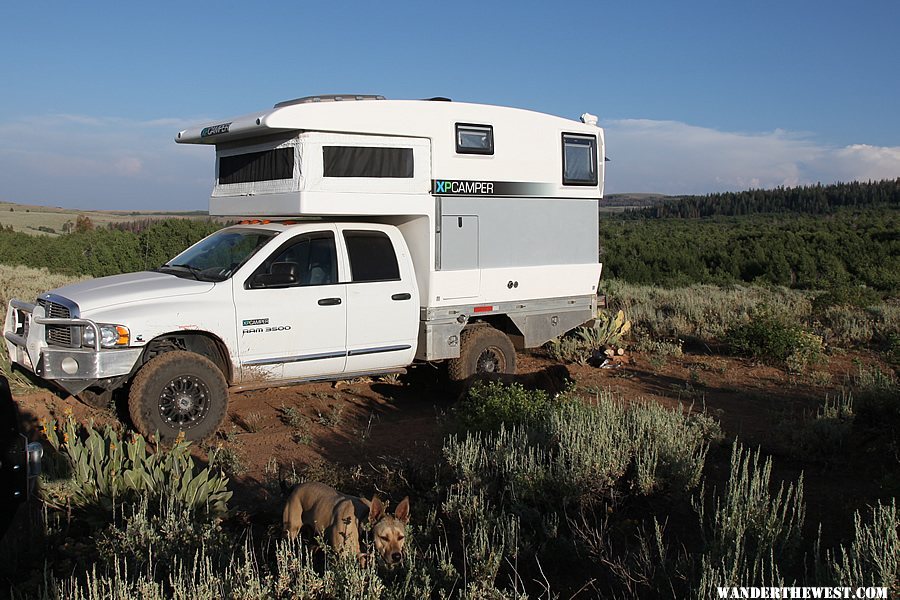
[[873, 558], [751, 534]]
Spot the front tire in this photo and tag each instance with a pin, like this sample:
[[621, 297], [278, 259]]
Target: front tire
[[482, 349], [178, 392]]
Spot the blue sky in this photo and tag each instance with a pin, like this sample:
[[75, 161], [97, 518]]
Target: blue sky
[[696, 97]]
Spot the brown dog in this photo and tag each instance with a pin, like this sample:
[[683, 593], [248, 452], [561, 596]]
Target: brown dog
[[553, 380], [337, 517]]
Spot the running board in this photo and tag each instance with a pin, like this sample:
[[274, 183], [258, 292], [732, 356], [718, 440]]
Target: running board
[[258, 385]]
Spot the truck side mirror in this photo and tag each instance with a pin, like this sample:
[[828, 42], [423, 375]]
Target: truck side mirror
[[282, 274]]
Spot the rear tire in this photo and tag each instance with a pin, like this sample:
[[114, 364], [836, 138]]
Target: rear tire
[[177, 392], [482, 349]]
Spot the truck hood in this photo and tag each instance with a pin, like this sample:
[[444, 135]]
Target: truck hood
[[144, 286]]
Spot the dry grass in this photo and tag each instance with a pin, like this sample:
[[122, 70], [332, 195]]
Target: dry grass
[[705, 312], [29, 219]]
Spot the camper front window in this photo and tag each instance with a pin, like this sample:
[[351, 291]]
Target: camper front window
[[251, 167], [579, 159]]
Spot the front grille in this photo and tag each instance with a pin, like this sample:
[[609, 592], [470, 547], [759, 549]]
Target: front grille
[[57, 335]]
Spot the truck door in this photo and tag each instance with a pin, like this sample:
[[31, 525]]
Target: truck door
[[292, 312], [383, 300]]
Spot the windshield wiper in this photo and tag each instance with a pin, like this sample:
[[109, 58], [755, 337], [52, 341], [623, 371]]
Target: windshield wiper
[[197, 273]]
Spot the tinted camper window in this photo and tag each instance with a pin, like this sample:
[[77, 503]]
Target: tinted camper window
[[474, 139], [579, 159], [257, 166], [366, 161]]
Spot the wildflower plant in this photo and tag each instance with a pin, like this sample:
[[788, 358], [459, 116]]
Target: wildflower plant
[[107, 468]]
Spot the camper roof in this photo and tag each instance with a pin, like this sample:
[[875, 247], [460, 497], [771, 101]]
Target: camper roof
[[375, 116]]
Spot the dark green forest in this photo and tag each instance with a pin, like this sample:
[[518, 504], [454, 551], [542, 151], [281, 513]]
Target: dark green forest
[[814, 237], [813, 199], [803, 251]]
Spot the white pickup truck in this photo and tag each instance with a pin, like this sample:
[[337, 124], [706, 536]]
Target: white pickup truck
[[382, 233]]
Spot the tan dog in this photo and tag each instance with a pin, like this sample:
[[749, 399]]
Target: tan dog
[[337, 517]]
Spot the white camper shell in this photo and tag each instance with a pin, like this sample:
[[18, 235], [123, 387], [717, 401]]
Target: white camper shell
[[375, 233], [497, 205]]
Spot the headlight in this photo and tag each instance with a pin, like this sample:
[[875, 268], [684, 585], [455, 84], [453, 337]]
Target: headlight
[[111, 336]]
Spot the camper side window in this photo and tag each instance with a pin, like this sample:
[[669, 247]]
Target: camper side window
[[367, 161], [372, 256], [579, 159], [474, 139]]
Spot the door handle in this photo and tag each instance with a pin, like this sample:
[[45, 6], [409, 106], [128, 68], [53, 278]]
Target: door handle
[[329, 301], [405, 296]]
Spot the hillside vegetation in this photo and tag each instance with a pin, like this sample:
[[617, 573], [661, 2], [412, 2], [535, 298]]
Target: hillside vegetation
[[813, 200], [54, 220], [819, 237], [100, 251]]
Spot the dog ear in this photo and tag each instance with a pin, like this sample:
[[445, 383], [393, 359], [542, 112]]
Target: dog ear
[[376, 510], [402, 510]]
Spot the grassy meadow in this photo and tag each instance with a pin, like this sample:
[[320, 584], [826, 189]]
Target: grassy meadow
[[50, 220]]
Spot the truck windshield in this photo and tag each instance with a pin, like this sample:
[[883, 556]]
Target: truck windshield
[[217, 257]]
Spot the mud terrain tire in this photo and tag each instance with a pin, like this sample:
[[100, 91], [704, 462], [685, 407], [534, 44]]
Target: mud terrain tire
[[176, 392], [482, 349]]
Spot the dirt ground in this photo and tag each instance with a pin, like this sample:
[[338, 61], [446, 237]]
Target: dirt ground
[[367, 423]]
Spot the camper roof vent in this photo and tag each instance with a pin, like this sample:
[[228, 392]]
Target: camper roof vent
[[329, 98]]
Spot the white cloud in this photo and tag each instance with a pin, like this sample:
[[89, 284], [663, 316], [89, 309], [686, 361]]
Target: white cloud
[[676, 158]]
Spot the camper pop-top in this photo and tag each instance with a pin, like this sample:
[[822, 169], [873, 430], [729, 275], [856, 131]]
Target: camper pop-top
[[380, 232]]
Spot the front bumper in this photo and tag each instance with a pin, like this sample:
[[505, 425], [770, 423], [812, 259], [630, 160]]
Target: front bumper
[[75, 369]]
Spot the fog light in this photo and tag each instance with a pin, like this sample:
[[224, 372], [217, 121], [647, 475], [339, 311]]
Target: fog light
[[69, 365]]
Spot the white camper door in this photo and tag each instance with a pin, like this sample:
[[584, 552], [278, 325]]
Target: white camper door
[[298, 328]]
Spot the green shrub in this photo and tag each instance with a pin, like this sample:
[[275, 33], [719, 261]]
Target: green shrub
[[659, 351], [892, 348], [167, 529], [846, 295], [822, 437], [577, 453], [489, 405], [769, 337], [877, 407]]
